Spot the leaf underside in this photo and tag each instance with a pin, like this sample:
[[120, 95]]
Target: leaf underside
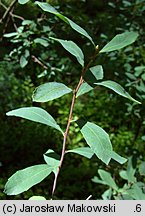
[[120, 41], [117, 88], [35, 114], [24, 179], [72, 48]]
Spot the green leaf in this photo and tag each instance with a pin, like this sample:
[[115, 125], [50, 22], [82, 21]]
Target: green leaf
[[120, 41], [142, 168], [12, 34], [27, 22], [52, 159], [107, 178], [98, 140], [123, 174], [37, 198], [117, 88], [95, 179], [27, 53], [23, 61], [23, 1], [72, 48], [130, 172], [97, 72], [118, 158], [136, 192], [143, 76], [50, 91], [139, 70], [84, 88], [48, 8], [41, 41], [84, 151], [35, 114], [24, 179], [130, 76], [107, 194]]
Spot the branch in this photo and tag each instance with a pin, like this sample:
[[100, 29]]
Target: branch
[[13, 15], [35, 59], [8, 10], [17, 16], [3, 5], [70, 119]]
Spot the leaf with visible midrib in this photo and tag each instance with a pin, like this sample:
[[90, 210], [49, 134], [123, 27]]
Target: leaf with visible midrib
[[98, 140], [48, 8], [107, 178], [120, 41], [24, 179], [50, 91], [117, 88], [35, 114], [71, 47]]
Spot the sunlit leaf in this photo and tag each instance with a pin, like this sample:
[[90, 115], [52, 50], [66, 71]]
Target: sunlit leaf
[[72, 48], [120, 41], [117, 88], [24, 179], [50, 91], [35, 114]]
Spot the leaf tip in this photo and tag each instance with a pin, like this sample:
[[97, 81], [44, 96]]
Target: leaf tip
[[8, 113]]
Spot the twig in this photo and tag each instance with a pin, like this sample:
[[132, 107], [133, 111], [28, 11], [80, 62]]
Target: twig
[[17, 16], [70, 118], [13, 20], [13, 15], [3, 5], [35, 59], [8, 10], [5, 26]]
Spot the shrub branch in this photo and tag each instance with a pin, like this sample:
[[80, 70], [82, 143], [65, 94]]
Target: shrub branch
[[70, 118]]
